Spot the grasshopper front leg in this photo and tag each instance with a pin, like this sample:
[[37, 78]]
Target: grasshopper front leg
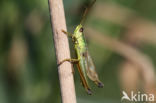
[[67, 33]]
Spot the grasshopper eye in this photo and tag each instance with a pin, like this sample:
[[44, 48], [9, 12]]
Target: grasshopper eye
[[81, 29]]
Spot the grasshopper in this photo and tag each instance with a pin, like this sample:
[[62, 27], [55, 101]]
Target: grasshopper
[[83, 61]]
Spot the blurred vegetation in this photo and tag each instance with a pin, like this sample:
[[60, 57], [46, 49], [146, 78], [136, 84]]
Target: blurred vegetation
[[28, 71]]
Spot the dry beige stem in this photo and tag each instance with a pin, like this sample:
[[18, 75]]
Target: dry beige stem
[[113, 12], [138, 28], [62, 51], [141, 31]]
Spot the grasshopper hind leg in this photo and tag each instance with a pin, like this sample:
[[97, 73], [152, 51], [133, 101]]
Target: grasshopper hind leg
[[87, 89], [89, 92], [83, 80]]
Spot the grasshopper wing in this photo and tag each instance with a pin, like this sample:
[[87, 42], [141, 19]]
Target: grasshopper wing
[[91, 72]]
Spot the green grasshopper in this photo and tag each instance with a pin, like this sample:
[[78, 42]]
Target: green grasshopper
[[84, 61]]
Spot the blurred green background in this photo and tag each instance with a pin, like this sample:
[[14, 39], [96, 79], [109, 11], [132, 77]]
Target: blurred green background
[[28, 70]]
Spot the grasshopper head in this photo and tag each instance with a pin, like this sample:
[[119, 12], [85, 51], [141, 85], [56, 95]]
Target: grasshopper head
[[78, 31]]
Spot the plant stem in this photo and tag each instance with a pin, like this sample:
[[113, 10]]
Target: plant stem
[[62, 51]]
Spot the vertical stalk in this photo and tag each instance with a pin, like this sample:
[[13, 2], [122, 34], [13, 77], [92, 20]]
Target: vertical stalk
[[62, 51]]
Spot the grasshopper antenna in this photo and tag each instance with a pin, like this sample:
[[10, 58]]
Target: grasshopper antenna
[[87, 9]]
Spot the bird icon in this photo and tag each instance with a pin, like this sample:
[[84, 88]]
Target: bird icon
[[125, 96]]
